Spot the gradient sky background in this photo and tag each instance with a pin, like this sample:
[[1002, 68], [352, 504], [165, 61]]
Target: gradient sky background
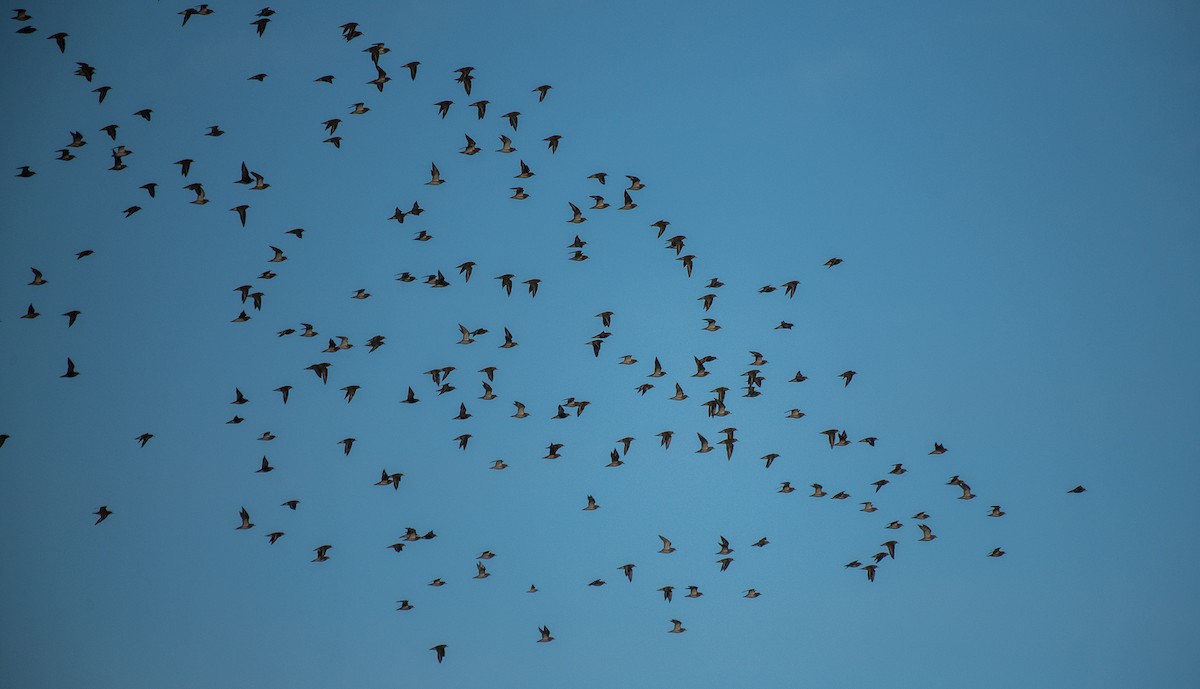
[[1012, 186]]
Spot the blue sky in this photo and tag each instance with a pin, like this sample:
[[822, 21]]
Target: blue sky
[[1011, 188]]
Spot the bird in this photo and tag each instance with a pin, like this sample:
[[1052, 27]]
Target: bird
[[751, 593], [444, 107], [628, 569], [71, 316], [245, 520], [677, 627], [576, 214], [635, 184], [552, 142], [321, 553], [346, 444], [667, 592], [725, 562], [926, 533], [871, 571], [818, 491], [440, 649], [284, 390], [102, 513], [266, 467], [542, 90], [833, 262], [274, 536], [1077, 490], [144, 438], [591, 504], [665, 439], [938, 449], [597, 583], [71, 372], [666, 543], [545, 632], [435, 176], [512, 118], [847, 376], [996, 552], [694, 592], [290, 504], [786, 487], [481, 571]]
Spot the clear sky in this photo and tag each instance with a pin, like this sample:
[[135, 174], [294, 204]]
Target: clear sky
[[1012, 189]]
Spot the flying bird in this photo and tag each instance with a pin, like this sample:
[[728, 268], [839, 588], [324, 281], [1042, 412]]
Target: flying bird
[[245, 520]]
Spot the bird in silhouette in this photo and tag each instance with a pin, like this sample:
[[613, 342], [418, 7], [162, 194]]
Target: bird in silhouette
[[102, 513]]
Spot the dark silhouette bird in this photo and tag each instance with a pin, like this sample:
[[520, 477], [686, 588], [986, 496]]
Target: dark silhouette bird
[[321, 553], [102, 513], [1077, 490], [847, 376], [938, 449], [71, 372], [542, 91], [245, 520], [441, 651]]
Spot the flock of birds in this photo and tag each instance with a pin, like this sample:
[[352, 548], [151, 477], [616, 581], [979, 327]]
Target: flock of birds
[[250, 298]]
